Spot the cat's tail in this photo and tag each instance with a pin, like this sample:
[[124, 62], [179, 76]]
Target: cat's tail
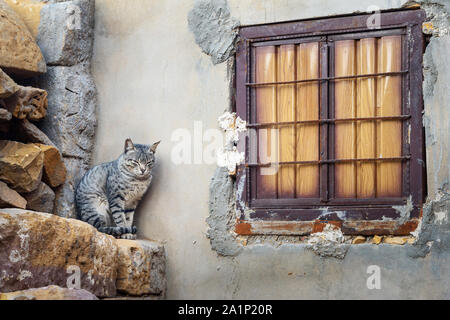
[[117, 231]]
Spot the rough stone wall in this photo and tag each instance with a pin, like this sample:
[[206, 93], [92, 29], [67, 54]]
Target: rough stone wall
[[65, 36], [434, 232]]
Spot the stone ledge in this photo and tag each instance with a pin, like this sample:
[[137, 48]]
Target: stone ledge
[[39, 249], [141, 267]]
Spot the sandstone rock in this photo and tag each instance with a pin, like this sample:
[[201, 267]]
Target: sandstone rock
[[49, 293], [21, 165], [358, 240], [26, 131], [54, 168], [7, 86], [42, 199], [141, 267], [377, 239], [29, 12], [28, 102], [20, 56], [10, 198], [65, 33], [39, 249]]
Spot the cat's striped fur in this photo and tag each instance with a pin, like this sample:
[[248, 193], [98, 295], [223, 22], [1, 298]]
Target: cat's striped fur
[[108, 194]]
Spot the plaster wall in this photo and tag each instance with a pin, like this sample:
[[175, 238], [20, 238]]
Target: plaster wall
[[153, 78]]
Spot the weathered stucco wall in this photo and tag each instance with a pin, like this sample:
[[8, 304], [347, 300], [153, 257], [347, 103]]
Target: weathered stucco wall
[[153, 78]]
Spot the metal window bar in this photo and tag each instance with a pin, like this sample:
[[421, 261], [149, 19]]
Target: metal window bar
[[403, 158], [322, 121], [324, 61], [258, 84], [268, 124]]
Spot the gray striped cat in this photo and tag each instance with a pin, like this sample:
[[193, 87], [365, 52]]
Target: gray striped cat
[[108, 194]]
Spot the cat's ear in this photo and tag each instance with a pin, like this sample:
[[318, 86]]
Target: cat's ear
[[129, 145], [154, 146]]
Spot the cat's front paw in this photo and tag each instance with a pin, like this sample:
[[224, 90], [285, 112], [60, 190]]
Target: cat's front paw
[[128, 236], [133, 230]]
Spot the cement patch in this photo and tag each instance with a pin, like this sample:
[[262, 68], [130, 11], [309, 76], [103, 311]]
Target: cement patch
[[222, 217], [214, 29]]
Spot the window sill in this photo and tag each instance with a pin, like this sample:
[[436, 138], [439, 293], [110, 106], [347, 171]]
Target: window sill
[[348, 227]]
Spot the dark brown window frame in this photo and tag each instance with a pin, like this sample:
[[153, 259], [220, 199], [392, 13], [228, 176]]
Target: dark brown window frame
[[367, 217]]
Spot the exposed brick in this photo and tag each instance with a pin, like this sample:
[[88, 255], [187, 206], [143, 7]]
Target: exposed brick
[[320, 225]]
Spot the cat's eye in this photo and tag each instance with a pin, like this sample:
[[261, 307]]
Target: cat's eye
[[133, 162]]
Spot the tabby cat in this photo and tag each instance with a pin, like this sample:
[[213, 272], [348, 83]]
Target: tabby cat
[[108, 194]]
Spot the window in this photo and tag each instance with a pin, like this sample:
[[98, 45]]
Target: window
[[333, 110]]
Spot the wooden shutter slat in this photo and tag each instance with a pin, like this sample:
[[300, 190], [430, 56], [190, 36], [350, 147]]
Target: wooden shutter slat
[[389, 133], [286, 112], [307, 184], [345, 107], [265, 71], [366, 100]]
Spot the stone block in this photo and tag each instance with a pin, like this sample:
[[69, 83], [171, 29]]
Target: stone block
[[39, 249], [65, 32], [27, 103], [141, 267], [25, 131], [20, 56], [42, 199], [7, 86], [71, 118], [54, 169], [29, 11], [10, 198], [21, 165]]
